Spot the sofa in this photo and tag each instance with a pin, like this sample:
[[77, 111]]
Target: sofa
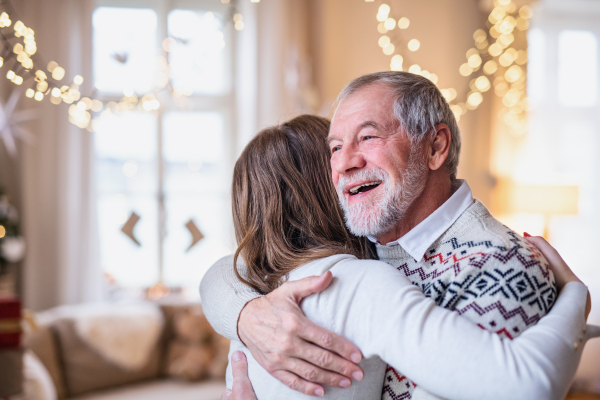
[[124, 351]]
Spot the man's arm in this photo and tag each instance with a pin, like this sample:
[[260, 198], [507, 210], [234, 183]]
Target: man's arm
[[297, 352], [224, 296]]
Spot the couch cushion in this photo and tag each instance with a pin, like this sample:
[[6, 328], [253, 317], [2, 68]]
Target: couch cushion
[[186, 324], [41, 341], [85, 370], [161, 390]]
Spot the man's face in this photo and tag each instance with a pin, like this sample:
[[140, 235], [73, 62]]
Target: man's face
[[378, 173]]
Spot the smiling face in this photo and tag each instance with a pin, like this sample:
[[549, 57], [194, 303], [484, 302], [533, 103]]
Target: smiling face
[[376, 169]]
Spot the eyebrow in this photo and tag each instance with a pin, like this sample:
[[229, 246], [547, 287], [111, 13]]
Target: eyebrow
[[372, 124], [365, 124]]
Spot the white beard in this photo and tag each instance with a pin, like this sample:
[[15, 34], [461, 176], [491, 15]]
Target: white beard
[[377, 216]]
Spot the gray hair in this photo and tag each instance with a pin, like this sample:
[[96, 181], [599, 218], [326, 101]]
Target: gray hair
[[418, 105]]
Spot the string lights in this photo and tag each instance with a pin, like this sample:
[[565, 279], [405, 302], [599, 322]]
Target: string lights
[[236, 16], [495, 61], [20, 50]]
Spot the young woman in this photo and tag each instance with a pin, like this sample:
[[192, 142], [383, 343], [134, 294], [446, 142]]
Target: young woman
[[289, 225]]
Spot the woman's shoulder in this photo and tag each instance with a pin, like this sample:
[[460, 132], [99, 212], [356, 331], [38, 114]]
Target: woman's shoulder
[[339, 265]]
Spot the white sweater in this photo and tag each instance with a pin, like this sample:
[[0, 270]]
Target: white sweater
[[441, 351]]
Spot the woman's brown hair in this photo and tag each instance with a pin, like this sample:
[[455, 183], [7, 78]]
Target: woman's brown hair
[[285, 207]]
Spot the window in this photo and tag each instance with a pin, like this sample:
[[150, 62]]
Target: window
[[577, 68], [164, 145], [536, 65], [563, 144], [196, 50], [124, 49]]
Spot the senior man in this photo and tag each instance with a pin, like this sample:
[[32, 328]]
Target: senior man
[[395, 146]]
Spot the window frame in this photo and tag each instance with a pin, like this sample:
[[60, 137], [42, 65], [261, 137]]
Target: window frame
[[552, 19], [224, 104]]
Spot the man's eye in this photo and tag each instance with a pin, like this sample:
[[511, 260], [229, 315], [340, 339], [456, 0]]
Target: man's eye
[[368, 137]]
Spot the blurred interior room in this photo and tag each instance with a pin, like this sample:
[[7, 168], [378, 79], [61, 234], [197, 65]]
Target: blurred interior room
[[121, 120]]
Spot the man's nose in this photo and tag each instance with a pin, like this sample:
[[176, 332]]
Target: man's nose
[[348, 159]]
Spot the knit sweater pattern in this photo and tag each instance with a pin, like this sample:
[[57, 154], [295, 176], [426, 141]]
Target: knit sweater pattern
[[482, 270]]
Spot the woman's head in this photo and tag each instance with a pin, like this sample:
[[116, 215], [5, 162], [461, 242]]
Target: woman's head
[[285, 208]]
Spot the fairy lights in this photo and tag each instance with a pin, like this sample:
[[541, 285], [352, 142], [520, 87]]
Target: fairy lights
[[21, 48], [396, 63], [238, 18], [238, 21], [4, 20], [414, 44], [495, 61], [403, 23]]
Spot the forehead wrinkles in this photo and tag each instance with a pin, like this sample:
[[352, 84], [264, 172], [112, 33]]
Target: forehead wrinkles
[[352, 105], [375, 103]]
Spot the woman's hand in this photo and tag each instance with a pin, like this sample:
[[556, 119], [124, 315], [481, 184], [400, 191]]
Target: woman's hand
[[562, 272], [242, 387]]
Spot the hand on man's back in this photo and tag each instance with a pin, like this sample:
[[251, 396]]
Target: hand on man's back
[[290, 347]]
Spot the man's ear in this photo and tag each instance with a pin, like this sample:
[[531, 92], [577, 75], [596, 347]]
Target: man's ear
[[439, 147]]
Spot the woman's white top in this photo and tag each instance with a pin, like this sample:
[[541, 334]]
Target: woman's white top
[[377, 308]]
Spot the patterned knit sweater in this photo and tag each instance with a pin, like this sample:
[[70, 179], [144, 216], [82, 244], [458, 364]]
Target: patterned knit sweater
[[482, 270]]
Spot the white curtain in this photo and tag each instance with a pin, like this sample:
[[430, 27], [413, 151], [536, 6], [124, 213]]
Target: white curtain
[[61, 266], [274, 65]]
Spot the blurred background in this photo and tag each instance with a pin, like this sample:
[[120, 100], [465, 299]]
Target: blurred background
[[121, 120]]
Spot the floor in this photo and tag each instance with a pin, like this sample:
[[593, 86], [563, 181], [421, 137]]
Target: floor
[[161, 390]]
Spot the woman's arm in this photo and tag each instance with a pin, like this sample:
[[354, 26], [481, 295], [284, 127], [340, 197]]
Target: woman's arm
[[379, 310]]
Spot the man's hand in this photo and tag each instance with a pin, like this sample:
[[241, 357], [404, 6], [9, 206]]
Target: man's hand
[[242, 387], [290, 347]]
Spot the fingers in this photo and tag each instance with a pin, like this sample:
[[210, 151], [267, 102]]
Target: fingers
[[549, 252], [311, 373], [562, 273], [541, 244], [312, 356], [298, 384], [332, 342], [242, 387], [239, 365], [226, 395], [301, 288], [310, 362]]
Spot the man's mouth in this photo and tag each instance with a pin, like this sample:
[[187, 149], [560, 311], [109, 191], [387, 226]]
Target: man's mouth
[[365, 187]]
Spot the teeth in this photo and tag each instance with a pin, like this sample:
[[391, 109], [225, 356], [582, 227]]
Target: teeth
[[355, 189]]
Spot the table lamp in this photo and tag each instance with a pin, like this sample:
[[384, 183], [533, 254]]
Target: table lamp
[[548, 200]]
